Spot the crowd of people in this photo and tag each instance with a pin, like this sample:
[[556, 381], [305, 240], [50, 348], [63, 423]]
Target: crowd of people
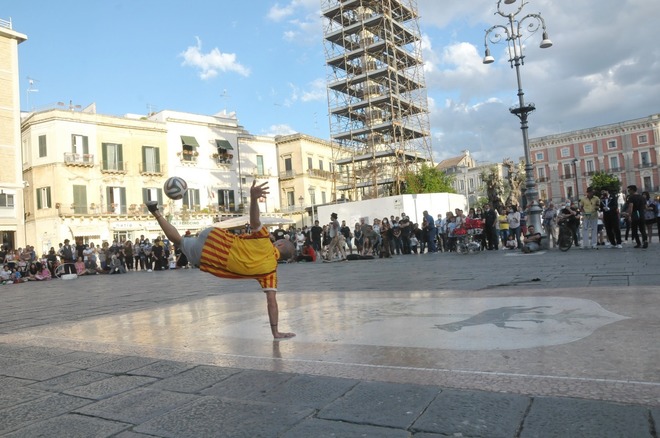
[[597, 219]]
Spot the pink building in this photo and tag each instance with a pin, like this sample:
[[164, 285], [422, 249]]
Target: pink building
[[564, 163]]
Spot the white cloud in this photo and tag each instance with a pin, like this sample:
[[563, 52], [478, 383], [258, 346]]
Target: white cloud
[[212, 62], [279, 13], [281, 129]]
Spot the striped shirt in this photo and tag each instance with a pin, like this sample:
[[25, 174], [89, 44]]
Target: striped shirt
[[252, 255]]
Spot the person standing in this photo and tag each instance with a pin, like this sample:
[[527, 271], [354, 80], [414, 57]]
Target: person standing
[[589, 205], [636, 208], [490, 227], [514, 223], [550, 223], [431, 232], [610, 208], [333, 233], [345, 231]]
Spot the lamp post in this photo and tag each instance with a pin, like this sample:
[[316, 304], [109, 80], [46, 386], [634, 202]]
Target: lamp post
[[511, 32], [312, 199], [465, 184], [302, 212], [577, 191]]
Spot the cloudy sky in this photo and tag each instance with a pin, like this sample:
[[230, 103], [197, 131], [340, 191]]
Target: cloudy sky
[[264, 60]]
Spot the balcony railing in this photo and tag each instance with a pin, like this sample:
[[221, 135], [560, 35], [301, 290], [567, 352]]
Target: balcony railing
[[72, 159], [542, 179], [287, 174], [645, 165], [113, 167], [318, 173], [615, 169], [151, 169], [567, 176], [589, 172], [223, 159]]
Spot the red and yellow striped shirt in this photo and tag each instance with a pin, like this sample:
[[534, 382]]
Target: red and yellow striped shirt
[[228, 255]]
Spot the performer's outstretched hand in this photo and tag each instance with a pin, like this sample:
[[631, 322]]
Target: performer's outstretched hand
[[258, 191]]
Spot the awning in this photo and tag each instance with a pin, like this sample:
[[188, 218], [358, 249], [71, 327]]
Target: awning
[[223, 144], [189, 141]]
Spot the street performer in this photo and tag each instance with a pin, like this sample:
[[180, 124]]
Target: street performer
[[227, 255]]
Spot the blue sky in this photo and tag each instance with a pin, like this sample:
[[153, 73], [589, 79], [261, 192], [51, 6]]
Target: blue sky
[[265, 61]]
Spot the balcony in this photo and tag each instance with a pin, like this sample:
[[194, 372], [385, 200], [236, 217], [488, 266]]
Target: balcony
[[321, 174], [188, 157], [645, 165], [223, 159], [589, 173], [287, 174], [83, 160], [151, 169], [615, 169], [542, 179], [113, 167], [567, 176]]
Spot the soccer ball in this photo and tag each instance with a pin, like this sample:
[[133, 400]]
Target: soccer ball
[[175, 187]]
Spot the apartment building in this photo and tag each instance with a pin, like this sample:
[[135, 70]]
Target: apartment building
[[12, 231], [565, 163]]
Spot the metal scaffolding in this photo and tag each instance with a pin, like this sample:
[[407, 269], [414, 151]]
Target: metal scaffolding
[[376, 93]]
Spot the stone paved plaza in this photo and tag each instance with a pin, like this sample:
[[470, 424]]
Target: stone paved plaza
[[494, 344]]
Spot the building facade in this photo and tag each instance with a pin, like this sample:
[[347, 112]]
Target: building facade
[[12, 214], [565, 163]]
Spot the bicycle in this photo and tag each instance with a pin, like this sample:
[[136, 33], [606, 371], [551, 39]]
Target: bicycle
[[565, 237]]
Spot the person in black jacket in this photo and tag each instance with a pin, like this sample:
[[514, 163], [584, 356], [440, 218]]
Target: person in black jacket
[[610, 208], [636, 208], [490, 230]]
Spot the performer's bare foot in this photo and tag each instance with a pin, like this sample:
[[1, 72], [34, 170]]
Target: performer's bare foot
[[280, 335]]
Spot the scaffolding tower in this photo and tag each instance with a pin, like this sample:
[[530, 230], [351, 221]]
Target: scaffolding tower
[[376, 94]]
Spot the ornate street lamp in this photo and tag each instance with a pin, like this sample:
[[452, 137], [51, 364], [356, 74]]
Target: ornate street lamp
[[577, 191], [511, 32], [301, 199]]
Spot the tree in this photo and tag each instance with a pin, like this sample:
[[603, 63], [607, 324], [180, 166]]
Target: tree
[[428, 179], [605, 181]]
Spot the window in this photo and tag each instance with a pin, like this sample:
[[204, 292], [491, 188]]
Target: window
[[191, 199], [309, 163], [544, 194], [567, 170], [565, 152], [320, 164], [648, 185], [591, 167], [312, 195], [588, 148], [645, 159], [323, 200], [115, 200], [43, 198], [611, 144], [79, 144], [539, 156], [223, 146], [614, 163], [112, 157], [150, 159], [642, 139], [331, 167], [42, 146], [471, 184], [79, 199], [569, 192], [260, 165], [152, 194], [6, 200], [540, 171], [290, 199], [226, 200]]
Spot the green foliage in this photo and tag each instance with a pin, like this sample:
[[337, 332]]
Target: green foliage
[[605, 181], [428, 180]]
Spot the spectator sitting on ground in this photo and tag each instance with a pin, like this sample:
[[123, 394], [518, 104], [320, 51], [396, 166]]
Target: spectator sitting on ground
[[532, 240], [80, 267], [511, 242], [307, 253]]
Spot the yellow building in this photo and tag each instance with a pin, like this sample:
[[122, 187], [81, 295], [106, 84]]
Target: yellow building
[[88, 176], [12, 231]]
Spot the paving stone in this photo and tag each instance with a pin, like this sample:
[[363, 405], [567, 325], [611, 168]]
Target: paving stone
[[39, 353], [71, 380], [13, 395], [211, 416], [22, 415], [36, 370], [314, 427], [248, 385], [560, 418], [70, 426], [162, 369], [473, 413], [131, 434], [109, 387], [310, 391], [123, 364], [13, 382], [137, 406], [381, 404], [84, 359], [195, 379]]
